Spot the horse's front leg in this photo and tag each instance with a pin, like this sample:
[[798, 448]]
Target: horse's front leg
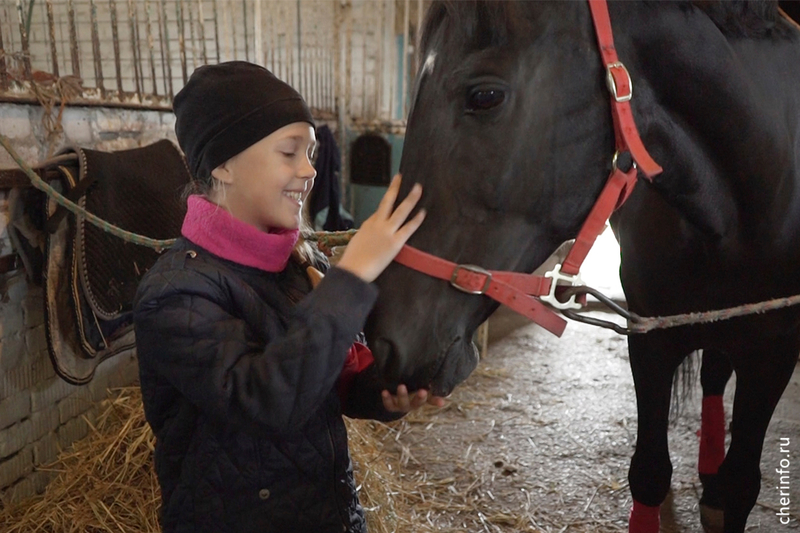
[[714, 375], [651, 469], [761, 377]]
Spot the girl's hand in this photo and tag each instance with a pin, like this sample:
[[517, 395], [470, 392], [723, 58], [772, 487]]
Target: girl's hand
[[382, 235], [402, 403]]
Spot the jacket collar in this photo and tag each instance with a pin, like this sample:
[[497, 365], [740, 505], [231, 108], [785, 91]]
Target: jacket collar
[[215, 229]]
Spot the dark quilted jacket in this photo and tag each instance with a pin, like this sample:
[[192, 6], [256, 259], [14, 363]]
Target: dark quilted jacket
[[239, 386]]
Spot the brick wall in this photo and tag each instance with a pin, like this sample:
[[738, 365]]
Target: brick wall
[[39, 412]]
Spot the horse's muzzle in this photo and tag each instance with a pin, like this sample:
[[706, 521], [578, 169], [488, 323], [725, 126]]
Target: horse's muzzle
[[452, 366]]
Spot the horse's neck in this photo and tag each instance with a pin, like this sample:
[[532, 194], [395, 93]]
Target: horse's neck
[[724, 118]]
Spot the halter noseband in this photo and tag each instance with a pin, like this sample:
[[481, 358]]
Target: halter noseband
[[524, 293]]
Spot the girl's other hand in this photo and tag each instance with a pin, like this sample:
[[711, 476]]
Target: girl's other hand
[[382, 235], [403, 403]]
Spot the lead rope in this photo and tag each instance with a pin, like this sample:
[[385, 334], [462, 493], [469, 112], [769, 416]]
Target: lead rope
[[645, 324], [326, 241]]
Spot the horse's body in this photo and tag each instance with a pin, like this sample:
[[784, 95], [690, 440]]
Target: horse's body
[[511, 137]]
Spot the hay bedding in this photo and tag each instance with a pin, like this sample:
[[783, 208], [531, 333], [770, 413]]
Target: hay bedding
[[106, 482]]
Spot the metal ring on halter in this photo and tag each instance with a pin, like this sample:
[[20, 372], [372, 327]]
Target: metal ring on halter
[[614, 162]]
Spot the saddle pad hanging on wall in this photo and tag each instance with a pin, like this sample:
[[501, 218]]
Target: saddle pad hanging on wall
[[90, 276]]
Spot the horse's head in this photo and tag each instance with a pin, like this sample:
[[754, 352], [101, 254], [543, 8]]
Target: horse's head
[[510, 135]]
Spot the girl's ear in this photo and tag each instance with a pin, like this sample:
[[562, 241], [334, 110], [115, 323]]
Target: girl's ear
[[223, 173]]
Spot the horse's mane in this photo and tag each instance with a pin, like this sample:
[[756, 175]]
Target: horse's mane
[[743, 18], [488, 23]]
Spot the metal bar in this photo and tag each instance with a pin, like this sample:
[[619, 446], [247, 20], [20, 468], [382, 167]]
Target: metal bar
[[337, 70], [182, 39], [161, 104], [318, 60], [290, 50], [164, 25], [23, 35], [364, 26], [258, 34], [404, 63], [97, 58], [392, 60], [112, 5], [348, 78], [283, 45], [230, 11], [246, 36], [73, 40], [332, 51], [51, 27], [137, 65], [216, 30], [348, 60], [150, 47], [4, 83], [272, 37], [202, 23], [380, 44], [227, 16], [192, 36], [300, 84]]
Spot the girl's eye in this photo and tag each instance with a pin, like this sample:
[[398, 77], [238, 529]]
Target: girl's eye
[[288, 154]]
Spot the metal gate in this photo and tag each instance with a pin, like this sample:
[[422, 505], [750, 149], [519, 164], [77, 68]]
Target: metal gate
[[351, 59]]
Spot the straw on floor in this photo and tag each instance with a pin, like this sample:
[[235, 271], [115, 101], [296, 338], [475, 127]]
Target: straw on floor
[[106, 481]]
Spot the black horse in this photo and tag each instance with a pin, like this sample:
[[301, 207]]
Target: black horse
[[511, 136]]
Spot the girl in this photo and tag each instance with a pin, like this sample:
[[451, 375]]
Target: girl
[[245, 371]]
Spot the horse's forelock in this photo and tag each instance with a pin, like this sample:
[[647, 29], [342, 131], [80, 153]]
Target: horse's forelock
[[483, 23]]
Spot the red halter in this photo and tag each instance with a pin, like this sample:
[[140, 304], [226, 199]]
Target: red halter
[[520, 291]]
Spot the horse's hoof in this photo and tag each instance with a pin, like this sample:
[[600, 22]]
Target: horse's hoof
[[712, 519]]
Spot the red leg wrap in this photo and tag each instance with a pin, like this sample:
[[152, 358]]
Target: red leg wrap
[[644, 518], [712, 435]]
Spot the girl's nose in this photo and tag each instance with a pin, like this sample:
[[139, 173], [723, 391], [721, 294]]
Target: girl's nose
[[307, 170]]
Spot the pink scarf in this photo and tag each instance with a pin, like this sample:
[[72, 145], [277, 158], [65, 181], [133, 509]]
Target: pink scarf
[[215, 229]]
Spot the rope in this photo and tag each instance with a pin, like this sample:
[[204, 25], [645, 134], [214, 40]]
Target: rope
[[39, 183], [328, 240], [645, 324]]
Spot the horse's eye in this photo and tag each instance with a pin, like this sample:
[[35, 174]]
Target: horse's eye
[[483, 99]]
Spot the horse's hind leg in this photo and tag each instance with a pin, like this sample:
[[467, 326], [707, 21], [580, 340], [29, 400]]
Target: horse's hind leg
[[714, 375], [761, 378], [651, 470]]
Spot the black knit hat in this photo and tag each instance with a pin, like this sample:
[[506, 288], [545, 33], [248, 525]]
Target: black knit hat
[[226, 108]]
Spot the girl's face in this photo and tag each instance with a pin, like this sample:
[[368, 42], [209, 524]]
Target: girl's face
[[266, 184]]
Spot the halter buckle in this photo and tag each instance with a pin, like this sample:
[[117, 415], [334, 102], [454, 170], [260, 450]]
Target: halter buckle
[[611, 82], [475, 270], [556, 275]]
